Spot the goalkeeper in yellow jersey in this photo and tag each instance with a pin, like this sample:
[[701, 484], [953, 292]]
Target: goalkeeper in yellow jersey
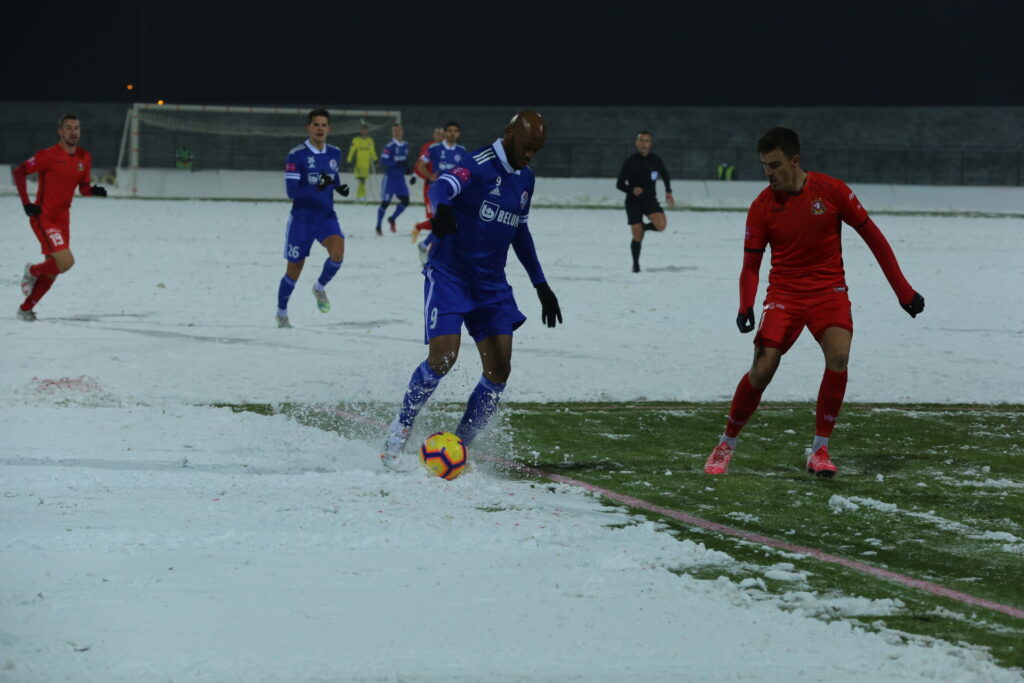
[[364, 153]]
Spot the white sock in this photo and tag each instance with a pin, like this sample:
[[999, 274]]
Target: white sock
[[731, 440], [819, 441]]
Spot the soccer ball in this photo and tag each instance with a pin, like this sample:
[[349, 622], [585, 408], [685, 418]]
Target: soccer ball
[[444, 454]]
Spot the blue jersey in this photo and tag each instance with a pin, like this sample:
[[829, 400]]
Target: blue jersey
[[444, 158], [302, 172], [394, 157], [491, 203]]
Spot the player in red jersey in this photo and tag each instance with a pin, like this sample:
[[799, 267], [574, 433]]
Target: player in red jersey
[[800, 216], [61, 169], [424, 171]]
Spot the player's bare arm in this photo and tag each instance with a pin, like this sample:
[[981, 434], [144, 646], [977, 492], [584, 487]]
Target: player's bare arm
[[423, 171]]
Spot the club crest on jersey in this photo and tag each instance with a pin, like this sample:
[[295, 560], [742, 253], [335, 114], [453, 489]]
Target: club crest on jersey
[[523, 199], [818, 206], [334, 164], [81, 167]]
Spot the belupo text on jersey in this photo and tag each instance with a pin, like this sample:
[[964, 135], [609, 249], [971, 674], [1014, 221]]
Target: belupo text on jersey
[[491, 212]]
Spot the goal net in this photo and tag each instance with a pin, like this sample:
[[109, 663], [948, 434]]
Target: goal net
[[209, 137]]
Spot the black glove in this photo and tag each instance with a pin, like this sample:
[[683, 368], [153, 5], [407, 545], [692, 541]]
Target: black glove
[[32, 210], [914, 306], [98, 191], [549, 309], [342, 190], [325, 180], [745, 321], [443, 222], [412, 181]]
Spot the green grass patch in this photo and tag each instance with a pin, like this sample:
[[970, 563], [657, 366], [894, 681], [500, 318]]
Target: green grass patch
[[935, 492]]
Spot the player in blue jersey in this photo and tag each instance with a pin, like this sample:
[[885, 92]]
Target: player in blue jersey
[[482, 206], [442, 156], [310, 175], [439, 157], [395, 159]]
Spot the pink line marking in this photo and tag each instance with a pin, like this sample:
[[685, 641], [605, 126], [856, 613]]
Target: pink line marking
[[862, 567], [356, 418]]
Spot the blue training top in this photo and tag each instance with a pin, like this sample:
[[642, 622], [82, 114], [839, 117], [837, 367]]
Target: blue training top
[[301, 174], [444, 158], [394, 157], [491, 203]]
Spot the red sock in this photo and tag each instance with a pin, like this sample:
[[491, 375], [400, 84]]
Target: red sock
[[830, 400], [744, 403], [42, 286], [423, 225], [47, 267]]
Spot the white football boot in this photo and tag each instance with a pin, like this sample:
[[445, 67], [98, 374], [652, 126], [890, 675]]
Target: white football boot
[[392, 457]]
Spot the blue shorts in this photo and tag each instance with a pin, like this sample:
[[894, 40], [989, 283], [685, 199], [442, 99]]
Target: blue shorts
[[299, 236], [392, 187], [447, 304]]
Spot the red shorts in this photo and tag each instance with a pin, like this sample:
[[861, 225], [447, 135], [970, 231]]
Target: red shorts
[[784, 318], [53, 235]]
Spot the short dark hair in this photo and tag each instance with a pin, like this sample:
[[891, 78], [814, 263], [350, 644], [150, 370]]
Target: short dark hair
[[779, 138], [66, 117], [319, 112], [644, 132], [452, 123]]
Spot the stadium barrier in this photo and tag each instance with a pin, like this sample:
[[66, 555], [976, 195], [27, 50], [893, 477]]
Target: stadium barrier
[[573, 192]]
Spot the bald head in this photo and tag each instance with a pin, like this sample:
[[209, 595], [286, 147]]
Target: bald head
[[524, 137]]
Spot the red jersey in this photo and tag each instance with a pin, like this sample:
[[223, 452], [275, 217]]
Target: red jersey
[[423, 155], [59, 174], [804, 230]]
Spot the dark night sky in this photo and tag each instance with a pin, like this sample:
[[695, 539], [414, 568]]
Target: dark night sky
[[785, 53]]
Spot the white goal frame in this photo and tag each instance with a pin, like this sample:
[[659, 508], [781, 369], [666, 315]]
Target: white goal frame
[[130, 138]]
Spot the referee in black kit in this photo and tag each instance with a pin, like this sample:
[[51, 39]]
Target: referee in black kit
[[636, 179]]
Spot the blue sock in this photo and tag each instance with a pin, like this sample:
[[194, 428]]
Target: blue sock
[[398, 210], [380, 214], [284, 292], [330, 269], [421, 385], [480, 408]]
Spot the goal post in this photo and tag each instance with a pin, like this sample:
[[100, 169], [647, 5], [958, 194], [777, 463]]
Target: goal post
[[235, 138]]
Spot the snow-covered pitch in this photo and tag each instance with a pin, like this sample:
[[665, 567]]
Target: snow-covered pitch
[[145, 535]]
